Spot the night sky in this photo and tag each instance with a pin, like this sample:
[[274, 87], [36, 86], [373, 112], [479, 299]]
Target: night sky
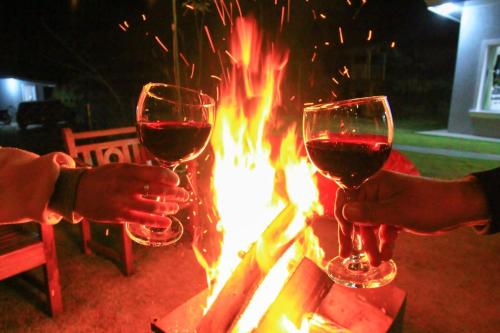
[[81, 42]]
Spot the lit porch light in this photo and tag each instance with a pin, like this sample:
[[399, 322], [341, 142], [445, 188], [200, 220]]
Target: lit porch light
[[449, 9], [12, 86]]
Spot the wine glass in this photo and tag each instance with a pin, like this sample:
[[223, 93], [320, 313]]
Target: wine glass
[[349, 141], [174, 124]]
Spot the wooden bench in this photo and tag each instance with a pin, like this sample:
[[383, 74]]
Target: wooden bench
[[101, 147]]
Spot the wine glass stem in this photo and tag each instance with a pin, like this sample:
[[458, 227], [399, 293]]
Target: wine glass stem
[[357, 246], [358, 260]]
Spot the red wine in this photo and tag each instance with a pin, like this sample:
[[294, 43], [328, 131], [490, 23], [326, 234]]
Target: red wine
[[348, 162], [174, 141]]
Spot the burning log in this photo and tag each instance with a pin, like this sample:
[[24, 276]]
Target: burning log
[[302, 294], [247, 276]]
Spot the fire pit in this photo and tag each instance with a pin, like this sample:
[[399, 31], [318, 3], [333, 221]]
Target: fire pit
[[307, 302]]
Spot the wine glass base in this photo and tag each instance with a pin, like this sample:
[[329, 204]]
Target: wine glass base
[[340, 271], [153, 236]]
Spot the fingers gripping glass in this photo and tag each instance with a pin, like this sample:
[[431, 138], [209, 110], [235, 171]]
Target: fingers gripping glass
[[174, 124], [349, 141]]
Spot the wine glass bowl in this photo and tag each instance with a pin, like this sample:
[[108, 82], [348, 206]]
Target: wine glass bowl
[[174, 124], [349, 141]]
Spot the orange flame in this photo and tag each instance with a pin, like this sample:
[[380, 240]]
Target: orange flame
[[253, 183]]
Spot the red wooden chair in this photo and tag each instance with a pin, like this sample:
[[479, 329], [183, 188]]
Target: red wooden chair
[[97, 148], [22, 249]]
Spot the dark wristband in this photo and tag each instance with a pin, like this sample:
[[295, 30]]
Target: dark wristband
[[63, 198]]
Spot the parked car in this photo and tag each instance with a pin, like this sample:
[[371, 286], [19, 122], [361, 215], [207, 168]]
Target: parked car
[[46, 113]]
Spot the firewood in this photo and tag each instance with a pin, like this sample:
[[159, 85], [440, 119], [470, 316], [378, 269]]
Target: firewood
[[301, 295], [184, 318], [248, 274]]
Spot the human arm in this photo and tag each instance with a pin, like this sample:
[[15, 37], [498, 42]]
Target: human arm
[[391, 201], [46, 188]]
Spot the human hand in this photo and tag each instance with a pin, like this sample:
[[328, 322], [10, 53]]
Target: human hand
[[391, 201], [377, 240], [115, 193]]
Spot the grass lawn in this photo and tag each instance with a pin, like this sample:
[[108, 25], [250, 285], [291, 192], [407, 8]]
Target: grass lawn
[[448, 167], [412, 138], [406, 133]]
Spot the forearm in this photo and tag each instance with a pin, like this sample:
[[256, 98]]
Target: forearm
[[472, 203], [27, 182]]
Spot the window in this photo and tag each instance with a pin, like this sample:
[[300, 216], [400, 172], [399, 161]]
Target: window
[[29, 92], [489, 86]]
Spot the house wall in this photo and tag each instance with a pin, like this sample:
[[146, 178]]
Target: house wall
[[11, 92], [479, 23]]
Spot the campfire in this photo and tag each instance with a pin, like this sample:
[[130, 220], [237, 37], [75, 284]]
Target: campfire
[[263, 190], [262, 259]]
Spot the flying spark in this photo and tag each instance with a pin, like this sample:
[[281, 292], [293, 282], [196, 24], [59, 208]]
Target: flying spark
[[221, 13], [210, 38], [224, 8], [239, 8], [192, 71], [231, 56], [158, 40], [282, 17], [184, 59], [345, 72]]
